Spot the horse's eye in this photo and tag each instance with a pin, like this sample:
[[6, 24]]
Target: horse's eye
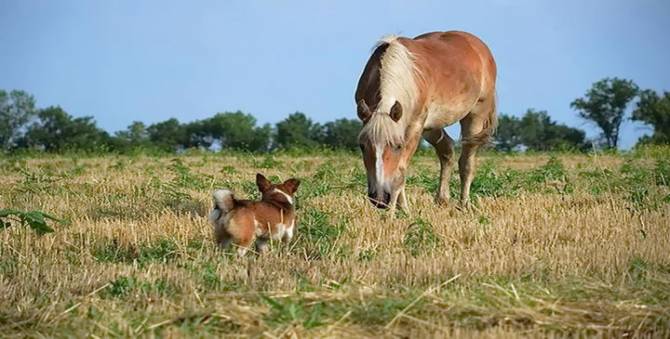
[[397, 148], [362, 147]]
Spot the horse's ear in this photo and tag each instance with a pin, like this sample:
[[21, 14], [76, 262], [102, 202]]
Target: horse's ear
[[263, 183], [396, 111], [363, 111]]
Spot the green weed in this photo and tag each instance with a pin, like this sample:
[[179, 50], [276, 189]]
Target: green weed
[[420, 238], [125, 286], [288, 311], [162, 251], [317, 234], [36, 220]]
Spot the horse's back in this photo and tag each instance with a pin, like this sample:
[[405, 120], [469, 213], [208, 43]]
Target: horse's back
[[457, 70], [458, 45]]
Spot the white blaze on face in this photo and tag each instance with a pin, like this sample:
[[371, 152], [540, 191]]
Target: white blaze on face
[[379, 166]]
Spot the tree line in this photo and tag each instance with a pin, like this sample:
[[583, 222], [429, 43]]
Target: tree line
[[605, 105], [23, 126], [52, 129]]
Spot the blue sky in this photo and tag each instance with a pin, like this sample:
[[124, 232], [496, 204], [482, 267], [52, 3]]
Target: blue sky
[[121, 61]]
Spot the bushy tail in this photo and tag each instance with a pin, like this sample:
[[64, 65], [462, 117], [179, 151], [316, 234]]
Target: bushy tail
[[224, 200]]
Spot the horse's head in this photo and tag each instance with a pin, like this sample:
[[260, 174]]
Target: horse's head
[[385, 156]]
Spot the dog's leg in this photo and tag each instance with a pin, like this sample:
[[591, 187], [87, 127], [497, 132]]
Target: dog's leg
[[241, 251], [223, 238], [288, 233], [261, 245], [243, 244], [225, 243]]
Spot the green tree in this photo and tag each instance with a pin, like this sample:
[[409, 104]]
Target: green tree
[[536, 131], [605, 105], [297, 130], [508, 134], [134, 136], [198, 134], [654, 110], [57, 131], [237, 130], [342, 133], [168, 135], [234, 130], [17, 108]]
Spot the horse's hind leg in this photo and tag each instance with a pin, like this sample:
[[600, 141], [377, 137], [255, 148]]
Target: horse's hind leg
[[466, 169], [444, 147], [476, 128]]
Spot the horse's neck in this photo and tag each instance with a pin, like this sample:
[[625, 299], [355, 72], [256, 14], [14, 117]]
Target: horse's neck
[[413, 132]]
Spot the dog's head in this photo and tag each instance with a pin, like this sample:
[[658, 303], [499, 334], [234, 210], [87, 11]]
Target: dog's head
[[283, 192]]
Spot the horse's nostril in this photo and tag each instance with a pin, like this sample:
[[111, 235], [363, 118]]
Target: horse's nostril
[[387, 197]]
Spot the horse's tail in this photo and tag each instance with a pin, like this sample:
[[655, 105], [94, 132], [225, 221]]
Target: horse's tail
[[489, 128]]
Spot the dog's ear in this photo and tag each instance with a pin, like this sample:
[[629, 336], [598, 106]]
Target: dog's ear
[[263, 183], [291, 185]]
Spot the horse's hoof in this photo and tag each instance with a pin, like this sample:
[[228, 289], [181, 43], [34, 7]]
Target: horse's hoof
[[441, 201], [464, 206]]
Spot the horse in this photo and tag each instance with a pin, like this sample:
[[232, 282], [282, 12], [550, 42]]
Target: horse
[[414, 87]]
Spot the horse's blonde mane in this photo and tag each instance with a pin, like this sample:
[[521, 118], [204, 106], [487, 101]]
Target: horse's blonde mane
[[397, 82], [398, 75], [381, 129]]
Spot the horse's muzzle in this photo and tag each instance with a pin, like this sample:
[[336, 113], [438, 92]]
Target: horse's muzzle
[[382, 203]]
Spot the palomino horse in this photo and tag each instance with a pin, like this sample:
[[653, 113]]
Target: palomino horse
[[415, 87]]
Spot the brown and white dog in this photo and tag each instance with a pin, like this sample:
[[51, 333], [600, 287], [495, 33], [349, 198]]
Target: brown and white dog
[[241, 221]]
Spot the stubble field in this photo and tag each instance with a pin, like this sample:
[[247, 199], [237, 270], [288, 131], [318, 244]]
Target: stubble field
[[554, 245]]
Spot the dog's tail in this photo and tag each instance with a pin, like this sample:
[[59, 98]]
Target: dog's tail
[[224, 200]]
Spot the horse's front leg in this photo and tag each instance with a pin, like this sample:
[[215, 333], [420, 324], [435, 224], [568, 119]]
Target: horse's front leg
[[393, 202], [399, 198], [404, 202]]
